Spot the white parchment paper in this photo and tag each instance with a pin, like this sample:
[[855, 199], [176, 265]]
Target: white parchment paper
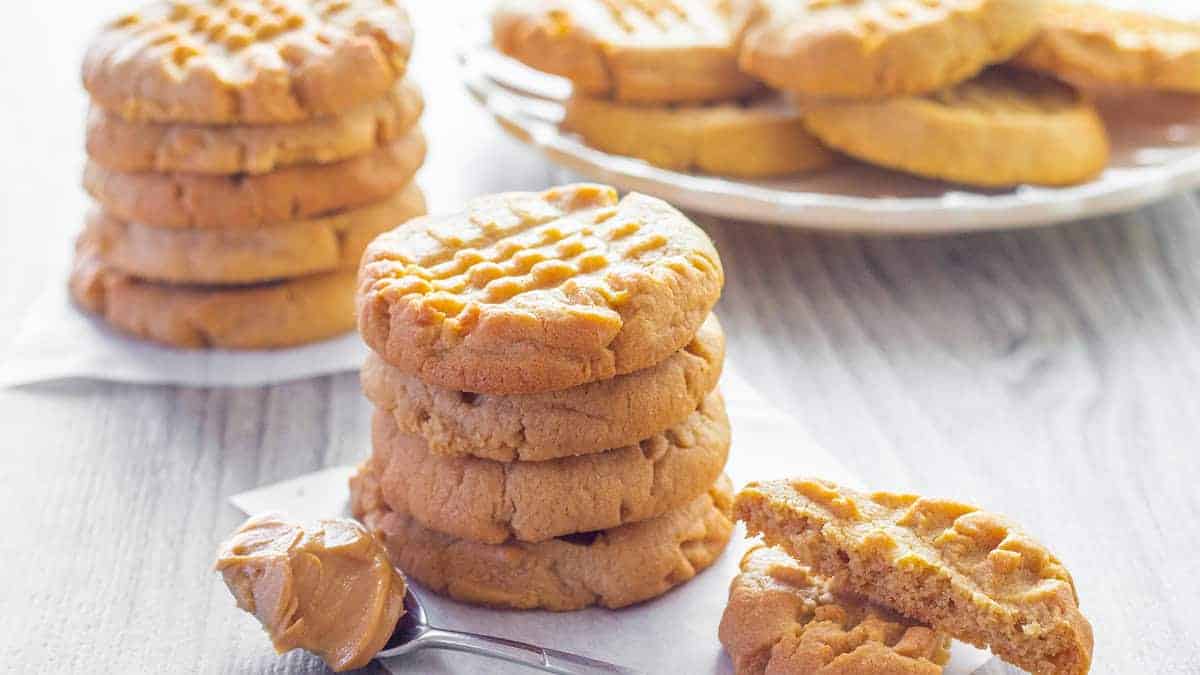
[[676, 633], [58, 341]]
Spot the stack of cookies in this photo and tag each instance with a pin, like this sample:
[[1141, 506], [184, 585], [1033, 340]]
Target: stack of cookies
[[979, 92], [910, 85], [242, 154], [659, 80], [548, 432]]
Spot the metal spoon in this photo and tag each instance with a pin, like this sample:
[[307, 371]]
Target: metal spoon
[[413, 633]]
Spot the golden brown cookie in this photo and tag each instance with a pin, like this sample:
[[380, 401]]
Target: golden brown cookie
[[525, 292], [491, 502], [286, 195], [612, 568], [1002, 128], [969, 573], [648, 51], [870, 49], [1096, 46], [120, 145], [249, 255], [247, 61], [266, 316], [764, 137], [581, 420], [785, 619]]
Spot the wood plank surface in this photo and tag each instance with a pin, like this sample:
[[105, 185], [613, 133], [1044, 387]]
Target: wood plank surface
[[1053, 375]]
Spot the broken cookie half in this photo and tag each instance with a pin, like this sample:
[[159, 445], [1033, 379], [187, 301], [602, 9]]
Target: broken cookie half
[[968, 573], [784, 618]]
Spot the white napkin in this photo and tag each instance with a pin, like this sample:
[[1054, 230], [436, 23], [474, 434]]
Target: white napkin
[[58, 341], [676, 633]]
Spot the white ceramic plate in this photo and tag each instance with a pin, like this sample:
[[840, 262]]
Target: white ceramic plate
[[1156, 152]]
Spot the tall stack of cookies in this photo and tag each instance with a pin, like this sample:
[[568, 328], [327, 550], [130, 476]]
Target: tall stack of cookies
[[548, 432], [659, 80], [242, 154]]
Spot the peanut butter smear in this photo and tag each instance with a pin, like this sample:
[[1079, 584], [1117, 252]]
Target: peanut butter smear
[[325, 586]]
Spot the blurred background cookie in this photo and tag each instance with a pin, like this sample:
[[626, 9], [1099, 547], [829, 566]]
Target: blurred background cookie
[[120, 145], [243, 255], [247, 61], [237, 200], [1094, 45], [754, 138], [271, 315], [628, 50], [870, 49], [1002, 128]]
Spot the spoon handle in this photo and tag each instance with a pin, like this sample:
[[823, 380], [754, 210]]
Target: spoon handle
[[533, 656]]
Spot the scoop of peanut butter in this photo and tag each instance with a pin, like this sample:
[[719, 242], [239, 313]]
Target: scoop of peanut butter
[[325, 586]]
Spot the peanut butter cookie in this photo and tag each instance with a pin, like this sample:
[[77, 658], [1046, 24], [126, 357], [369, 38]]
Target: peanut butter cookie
[[611, 568], [265, 316], [1093, 45], [972, 574], [120, 145], [534, 427], [247, 61], [870, 49], [647, 51], [248, 255], [785, 619], [286, 195], [1002, 128], [761, 138], [527, 292], [491, 502]]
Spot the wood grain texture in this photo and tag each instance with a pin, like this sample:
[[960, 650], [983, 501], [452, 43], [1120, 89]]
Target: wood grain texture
[[1051, 375]]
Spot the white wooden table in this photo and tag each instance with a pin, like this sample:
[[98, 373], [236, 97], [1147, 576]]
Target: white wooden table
[[1053, 375]]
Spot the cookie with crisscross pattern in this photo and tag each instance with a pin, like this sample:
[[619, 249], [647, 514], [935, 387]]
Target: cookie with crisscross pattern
[[648, 51], [247, 61], [526, 292], [970, 573]]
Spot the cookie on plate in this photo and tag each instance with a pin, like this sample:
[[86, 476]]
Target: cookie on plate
[[785, 619], [647, 51], [972, 574], [536, 291], [247, 61], [131, 147], [208, 255], [1096, 46], [285, 195], [1002, 128], [536, 427], [492, 502], [611, 568], [266, 316], [871, 49], [751, 139]]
